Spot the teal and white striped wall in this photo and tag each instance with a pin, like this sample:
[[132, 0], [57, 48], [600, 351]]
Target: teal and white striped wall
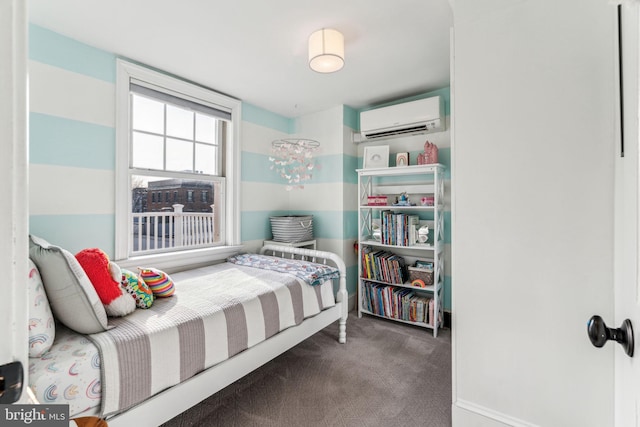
[[71, 141]]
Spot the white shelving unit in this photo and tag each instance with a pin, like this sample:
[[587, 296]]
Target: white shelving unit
[[417, 182]]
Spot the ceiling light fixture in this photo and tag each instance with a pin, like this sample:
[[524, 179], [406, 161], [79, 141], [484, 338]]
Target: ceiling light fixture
[[326, 50]]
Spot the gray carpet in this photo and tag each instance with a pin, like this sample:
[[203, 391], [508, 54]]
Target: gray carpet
[[387, 374]]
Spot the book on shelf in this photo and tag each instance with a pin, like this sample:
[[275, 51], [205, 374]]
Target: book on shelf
[[383, 266], [397, 303], [399, 229]]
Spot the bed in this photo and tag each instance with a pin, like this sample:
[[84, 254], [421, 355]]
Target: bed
[[154, 364]]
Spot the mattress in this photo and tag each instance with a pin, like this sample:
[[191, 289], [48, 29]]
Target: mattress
[[216, 313], [69, 373]]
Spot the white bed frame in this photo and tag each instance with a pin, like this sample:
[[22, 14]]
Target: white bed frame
[[177, 399]]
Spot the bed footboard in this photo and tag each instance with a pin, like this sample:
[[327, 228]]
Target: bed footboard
[[320, 257]]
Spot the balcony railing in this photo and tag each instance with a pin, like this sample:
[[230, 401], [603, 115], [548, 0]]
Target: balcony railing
[[160, 231]]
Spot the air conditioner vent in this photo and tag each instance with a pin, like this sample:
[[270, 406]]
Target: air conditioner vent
[[424, 115]]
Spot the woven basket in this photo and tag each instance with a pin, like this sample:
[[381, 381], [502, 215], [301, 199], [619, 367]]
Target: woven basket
[[424, 274], [292, 229]]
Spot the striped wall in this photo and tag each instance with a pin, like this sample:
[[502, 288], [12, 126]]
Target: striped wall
[[72, 157], [264, 192], [71, 142]]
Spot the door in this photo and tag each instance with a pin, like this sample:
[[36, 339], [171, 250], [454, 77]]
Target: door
[[13, 184], [627, 252], [534, 105]]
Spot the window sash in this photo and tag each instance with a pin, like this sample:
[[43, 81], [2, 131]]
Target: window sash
[[230, 166]]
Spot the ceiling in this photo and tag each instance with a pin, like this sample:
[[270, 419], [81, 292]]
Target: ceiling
[[256, 50]]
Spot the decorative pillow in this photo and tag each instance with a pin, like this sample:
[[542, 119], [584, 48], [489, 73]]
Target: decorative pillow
[[160, 283], [73, 299], [101, 272], [42, 327], [137, 288]]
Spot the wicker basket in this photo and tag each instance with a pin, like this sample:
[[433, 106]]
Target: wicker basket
[[292, 229], [424, 274]]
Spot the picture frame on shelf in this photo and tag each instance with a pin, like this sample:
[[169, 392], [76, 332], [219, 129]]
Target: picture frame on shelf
[[402, 159], [376, 157]]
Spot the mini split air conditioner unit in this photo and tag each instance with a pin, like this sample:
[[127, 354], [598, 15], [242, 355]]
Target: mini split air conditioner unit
[[421, 116]]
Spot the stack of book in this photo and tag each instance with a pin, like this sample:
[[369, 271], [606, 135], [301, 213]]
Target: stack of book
[[383, 266], [397, 303], [399, 229]]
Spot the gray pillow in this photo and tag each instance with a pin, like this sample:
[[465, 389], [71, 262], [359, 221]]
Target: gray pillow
[[73, 299]]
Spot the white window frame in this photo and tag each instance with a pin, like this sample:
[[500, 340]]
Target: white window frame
[[175, 260]]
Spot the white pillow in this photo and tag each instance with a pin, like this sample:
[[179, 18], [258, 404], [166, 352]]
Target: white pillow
[[42, 328], [73, 299]]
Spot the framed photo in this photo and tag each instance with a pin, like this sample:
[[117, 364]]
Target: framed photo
[[402, 159], [376, 157]]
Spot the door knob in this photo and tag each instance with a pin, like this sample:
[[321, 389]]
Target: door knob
[[599, 334]]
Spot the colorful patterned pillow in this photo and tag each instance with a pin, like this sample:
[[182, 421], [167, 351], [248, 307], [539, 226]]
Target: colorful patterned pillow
[[42, 327], [160, 283], [137, 288]]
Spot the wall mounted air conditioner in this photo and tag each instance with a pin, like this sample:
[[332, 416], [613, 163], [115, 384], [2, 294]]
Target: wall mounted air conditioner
[[421, 116]]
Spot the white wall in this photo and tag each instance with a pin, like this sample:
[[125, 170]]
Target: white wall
[[13, 184], [533, 147]]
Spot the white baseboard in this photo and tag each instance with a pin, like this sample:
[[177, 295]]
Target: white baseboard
[[467, 414]]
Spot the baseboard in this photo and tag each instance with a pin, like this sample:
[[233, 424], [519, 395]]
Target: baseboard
[[467, 414]]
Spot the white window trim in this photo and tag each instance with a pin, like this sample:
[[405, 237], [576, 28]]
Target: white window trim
[[231, 167]]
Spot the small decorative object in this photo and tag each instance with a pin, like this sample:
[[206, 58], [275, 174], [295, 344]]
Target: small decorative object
[[377, 233], [402, 159], [427, 201], [419, 283], [376, 157], [430, 154], [377, 200], [293, 160], [423, 234], [403, 200]]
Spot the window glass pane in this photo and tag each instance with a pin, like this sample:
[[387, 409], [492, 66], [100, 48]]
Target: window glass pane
[[147, 114], [147, 151], [206, 160], [205, 128], [179, 155], [179, 122], [159, 225]]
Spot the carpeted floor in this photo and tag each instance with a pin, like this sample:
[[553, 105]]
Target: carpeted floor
[[387, 374]]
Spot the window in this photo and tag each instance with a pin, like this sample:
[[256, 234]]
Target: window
[[204, 196], [173, 136]]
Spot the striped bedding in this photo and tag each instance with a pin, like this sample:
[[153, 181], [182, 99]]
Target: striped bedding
[[216, 312]]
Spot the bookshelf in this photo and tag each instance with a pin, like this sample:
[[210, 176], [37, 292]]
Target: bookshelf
[[394, 204]]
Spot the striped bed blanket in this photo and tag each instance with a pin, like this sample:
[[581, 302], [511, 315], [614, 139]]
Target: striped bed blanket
[[215, 313]]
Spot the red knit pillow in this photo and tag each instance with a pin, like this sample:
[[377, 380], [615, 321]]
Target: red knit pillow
[[96, 264]]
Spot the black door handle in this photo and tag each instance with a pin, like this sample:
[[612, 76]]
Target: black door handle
[[599, 334]]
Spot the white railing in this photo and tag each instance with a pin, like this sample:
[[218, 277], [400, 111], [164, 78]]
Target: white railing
[[157, 231]]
